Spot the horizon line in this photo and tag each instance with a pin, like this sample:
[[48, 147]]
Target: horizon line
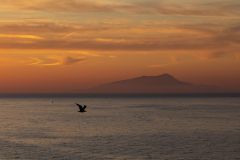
[[125, 95]]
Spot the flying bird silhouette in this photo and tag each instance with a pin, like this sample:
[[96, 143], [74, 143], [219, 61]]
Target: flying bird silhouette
[[81, 108]]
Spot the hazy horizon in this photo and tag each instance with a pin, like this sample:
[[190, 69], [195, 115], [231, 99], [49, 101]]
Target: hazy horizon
[[92, 90]]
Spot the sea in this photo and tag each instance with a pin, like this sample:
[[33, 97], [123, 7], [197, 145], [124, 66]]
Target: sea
[[120, 128]]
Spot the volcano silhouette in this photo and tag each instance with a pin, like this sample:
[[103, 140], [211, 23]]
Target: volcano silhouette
[[164, 83]]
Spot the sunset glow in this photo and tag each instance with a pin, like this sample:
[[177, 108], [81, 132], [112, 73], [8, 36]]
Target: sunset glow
[[70, 45]]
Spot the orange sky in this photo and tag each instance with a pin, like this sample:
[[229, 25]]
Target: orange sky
[[69, 45]]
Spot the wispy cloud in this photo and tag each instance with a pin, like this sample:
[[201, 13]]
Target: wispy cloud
[[72, 60], [214, 8], [137, 44], [21, 36], [55, 61], [141, 38], [220, 54], [46, 61]]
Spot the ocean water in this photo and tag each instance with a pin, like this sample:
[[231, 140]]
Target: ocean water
[[120, 128]]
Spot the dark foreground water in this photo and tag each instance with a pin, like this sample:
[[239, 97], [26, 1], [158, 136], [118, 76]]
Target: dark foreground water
[[120, 128]]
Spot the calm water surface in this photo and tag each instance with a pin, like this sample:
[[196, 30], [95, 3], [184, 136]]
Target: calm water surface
[[120, 128]]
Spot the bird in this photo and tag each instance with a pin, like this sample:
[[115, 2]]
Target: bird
[[81, 108]]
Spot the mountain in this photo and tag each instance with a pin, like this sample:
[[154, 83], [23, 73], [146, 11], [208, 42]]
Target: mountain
[[164, 83]]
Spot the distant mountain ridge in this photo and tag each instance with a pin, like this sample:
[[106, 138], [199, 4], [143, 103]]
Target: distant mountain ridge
[[164, 83], [165, 79]]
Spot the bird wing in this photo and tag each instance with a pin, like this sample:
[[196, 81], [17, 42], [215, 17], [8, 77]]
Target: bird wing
[[79, 106], [84, 107]]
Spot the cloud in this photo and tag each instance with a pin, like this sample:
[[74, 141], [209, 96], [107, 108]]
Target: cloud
[[46, 61], [231, 34], [72, 60], [194, 8], [55, 61], [105, 37], [21, 36], [220, 54], [45, 27], [134, 44]]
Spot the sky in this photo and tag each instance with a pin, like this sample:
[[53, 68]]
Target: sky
[[70, 45]]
